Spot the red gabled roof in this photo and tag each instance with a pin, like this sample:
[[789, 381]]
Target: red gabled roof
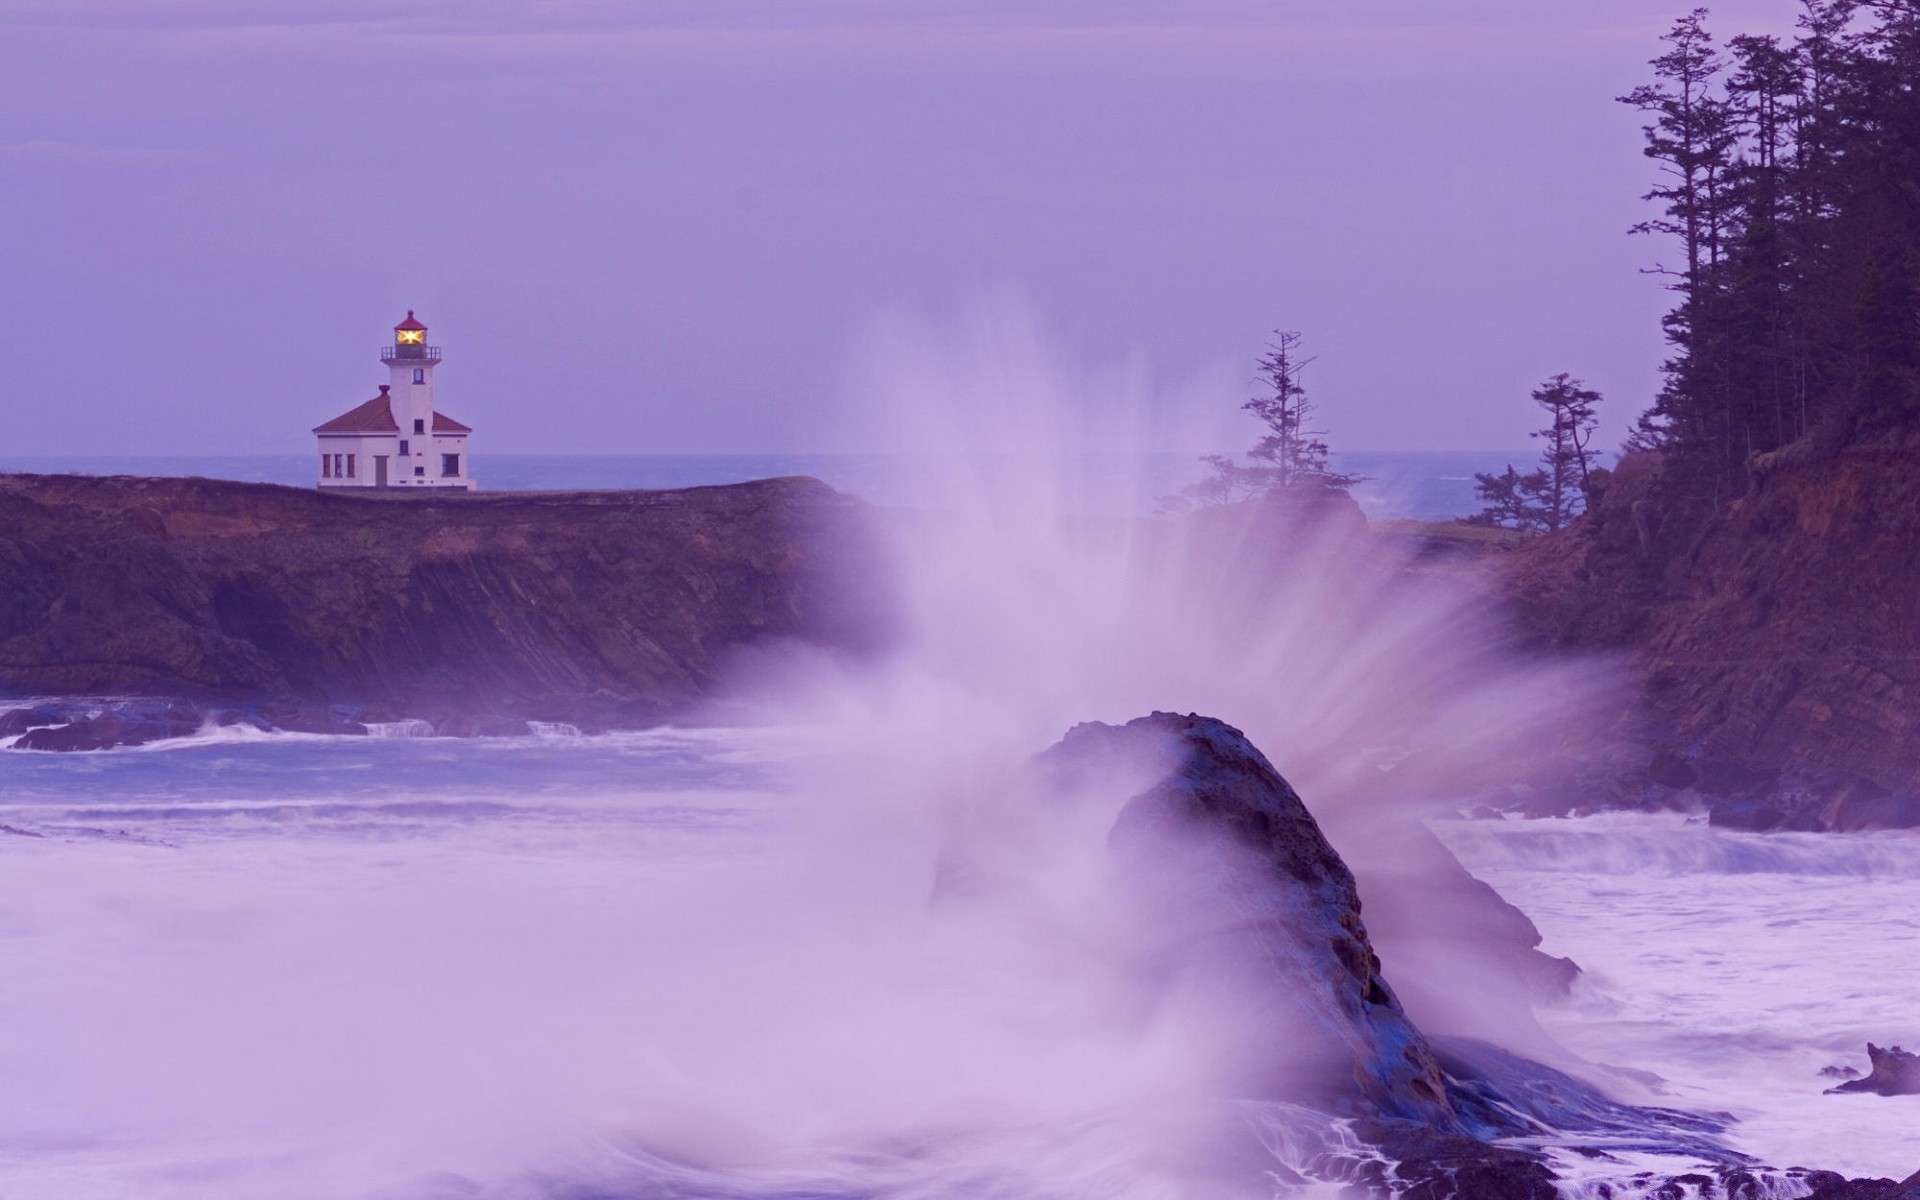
[[375, 416], [411, 322], [442, 423]]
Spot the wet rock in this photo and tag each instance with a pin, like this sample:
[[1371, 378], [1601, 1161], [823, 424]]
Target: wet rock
[[293, 716], [1243, 896], [1430, 1165], [1497, 1085], [17, 721], [1826, 1185], [1752, 814], [1894, 1072], [92, 727], [480, 727]]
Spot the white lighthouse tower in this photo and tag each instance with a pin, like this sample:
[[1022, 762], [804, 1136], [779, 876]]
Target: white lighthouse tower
[[397, 439]]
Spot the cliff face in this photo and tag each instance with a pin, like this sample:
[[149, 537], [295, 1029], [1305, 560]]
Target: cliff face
[[602, 608], [1797, 645], [1780, 644]]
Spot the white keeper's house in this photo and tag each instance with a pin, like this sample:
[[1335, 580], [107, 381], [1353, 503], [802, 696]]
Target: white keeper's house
[[397, 440]]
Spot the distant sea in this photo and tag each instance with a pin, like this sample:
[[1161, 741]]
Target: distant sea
[[1420, 485]]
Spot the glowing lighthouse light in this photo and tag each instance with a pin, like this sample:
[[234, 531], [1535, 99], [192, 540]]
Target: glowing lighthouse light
[[410, 332]]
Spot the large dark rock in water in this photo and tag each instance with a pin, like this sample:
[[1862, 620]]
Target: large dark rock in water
[[1227, 864], [1235, 895], [1895, 1072], [599, 608]]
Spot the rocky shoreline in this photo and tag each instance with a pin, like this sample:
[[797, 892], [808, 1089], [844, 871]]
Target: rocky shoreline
[[104, 723], [289, 609]]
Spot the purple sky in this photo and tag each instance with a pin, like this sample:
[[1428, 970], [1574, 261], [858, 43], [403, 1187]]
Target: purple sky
[[669, 227]]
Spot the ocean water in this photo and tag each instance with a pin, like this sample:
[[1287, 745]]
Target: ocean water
[[406, 967], [702, 962], [1417, 485], [1736, 967]]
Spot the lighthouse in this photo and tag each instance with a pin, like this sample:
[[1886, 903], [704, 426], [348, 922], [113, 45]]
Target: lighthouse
[[397, 440]]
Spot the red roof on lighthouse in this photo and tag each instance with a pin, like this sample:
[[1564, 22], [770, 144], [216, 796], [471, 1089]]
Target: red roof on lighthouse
[[375, 416], [411, 322]]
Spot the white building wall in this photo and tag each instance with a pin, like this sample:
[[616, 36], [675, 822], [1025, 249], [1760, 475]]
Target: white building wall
[[451, 445], [363, 447], [413, 409]]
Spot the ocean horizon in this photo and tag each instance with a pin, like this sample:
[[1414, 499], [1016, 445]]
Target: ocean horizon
[[1423, 485]]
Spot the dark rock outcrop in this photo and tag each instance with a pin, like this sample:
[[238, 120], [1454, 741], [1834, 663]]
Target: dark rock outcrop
[[1777, 638], [596, 608], [1223, 858], [1893, 1072], [1235, 892], [102, 727], [1826, 1185]]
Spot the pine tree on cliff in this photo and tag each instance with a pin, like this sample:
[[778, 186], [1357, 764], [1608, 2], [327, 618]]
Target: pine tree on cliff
[[1294, 453], [1566, 462], [1550, 497], [1291, 457], [1510, 500]]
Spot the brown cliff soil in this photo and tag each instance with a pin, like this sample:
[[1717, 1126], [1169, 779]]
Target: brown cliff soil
[[1778, 641], [608, 608]]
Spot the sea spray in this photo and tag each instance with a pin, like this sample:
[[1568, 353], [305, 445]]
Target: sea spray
[[452, 957]]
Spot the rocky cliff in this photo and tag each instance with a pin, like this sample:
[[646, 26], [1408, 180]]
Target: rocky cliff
[[607, 608], [1779, 639]]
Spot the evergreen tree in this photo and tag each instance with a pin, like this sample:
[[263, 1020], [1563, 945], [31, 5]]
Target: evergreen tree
[[1510, 500], [1567, 459], [1292, 452], [1690, 136], [1788, 175], [1290, 457]]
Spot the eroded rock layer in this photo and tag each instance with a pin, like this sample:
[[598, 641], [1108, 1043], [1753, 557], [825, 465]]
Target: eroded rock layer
[[601, 608]]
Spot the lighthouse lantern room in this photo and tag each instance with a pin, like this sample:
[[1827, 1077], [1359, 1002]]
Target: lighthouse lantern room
[[397, 440]]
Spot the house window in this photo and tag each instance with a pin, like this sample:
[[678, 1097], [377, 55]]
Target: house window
[[419, 426], [403, 447], [419, 470], [419, 374], [350, 472], [450, 466], [326, 466]]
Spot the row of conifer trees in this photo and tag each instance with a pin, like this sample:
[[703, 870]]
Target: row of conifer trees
[[1790, 189], [1789, 194]]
